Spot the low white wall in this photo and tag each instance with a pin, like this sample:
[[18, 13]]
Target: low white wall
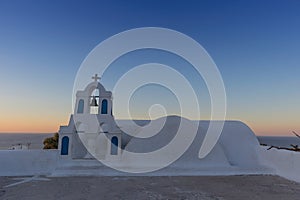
[[286, 163], [27, 162]]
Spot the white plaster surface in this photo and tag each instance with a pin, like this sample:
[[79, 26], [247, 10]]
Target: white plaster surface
[[27, 162], [237, 152], [286, 163]]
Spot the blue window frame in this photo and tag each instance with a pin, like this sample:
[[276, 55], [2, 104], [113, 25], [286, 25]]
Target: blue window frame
[[104, 106], [80, 106]]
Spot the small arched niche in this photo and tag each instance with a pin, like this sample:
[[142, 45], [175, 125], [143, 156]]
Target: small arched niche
[[114, 145], [104, 127]]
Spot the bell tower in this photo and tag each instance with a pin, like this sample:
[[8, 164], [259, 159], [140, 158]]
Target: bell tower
[[93, 124], [94, 99]]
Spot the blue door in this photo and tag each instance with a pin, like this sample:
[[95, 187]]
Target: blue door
[[64, 146], [114, 146]]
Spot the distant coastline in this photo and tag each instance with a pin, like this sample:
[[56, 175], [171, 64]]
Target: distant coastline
[[280, 141], [36, 140]]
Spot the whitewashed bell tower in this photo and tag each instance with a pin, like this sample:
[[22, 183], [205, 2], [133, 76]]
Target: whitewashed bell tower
[[92, 131]]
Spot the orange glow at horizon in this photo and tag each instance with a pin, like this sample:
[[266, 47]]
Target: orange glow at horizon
[[32, 124], [50, 124], [273, 128]]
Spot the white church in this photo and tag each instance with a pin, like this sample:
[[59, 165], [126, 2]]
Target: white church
[[92, 125], [93, 134], [92, 140]]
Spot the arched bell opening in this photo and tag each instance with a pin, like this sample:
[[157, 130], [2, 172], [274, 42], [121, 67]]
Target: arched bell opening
[[94, 101]]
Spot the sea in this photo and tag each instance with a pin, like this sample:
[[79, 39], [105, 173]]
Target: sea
[[36, 140], [280, 141]]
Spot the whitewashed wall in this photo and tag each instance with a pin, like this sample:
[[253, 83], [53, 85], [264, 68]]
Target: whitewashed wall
[[27, 162], [286, 163]]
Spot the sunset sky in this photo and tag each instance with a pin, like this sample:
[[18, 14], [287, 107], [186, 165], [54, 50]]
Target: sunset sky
[[255, 44]]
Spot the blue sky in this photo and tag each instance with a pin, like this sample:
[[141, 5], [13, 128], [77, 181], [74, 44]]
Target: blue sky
[[255, 45]]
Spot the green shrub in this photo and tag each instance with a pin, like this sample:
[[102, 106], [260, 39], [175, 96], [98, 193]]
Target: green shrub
[[51, 142]]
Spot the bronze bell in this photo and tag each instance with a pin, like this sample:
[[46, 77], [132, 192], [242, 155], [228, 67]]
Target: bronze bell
[[94, 102]]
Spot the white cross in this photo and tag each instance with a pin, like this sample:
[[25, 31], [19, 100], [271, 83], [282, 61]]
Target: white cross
[[96, 77]]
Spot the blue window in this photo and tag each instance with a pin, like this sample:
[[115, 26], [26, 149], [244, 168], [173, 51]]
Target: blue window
[[64, 146], [104, 107], [114, 146], [80, 106]]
